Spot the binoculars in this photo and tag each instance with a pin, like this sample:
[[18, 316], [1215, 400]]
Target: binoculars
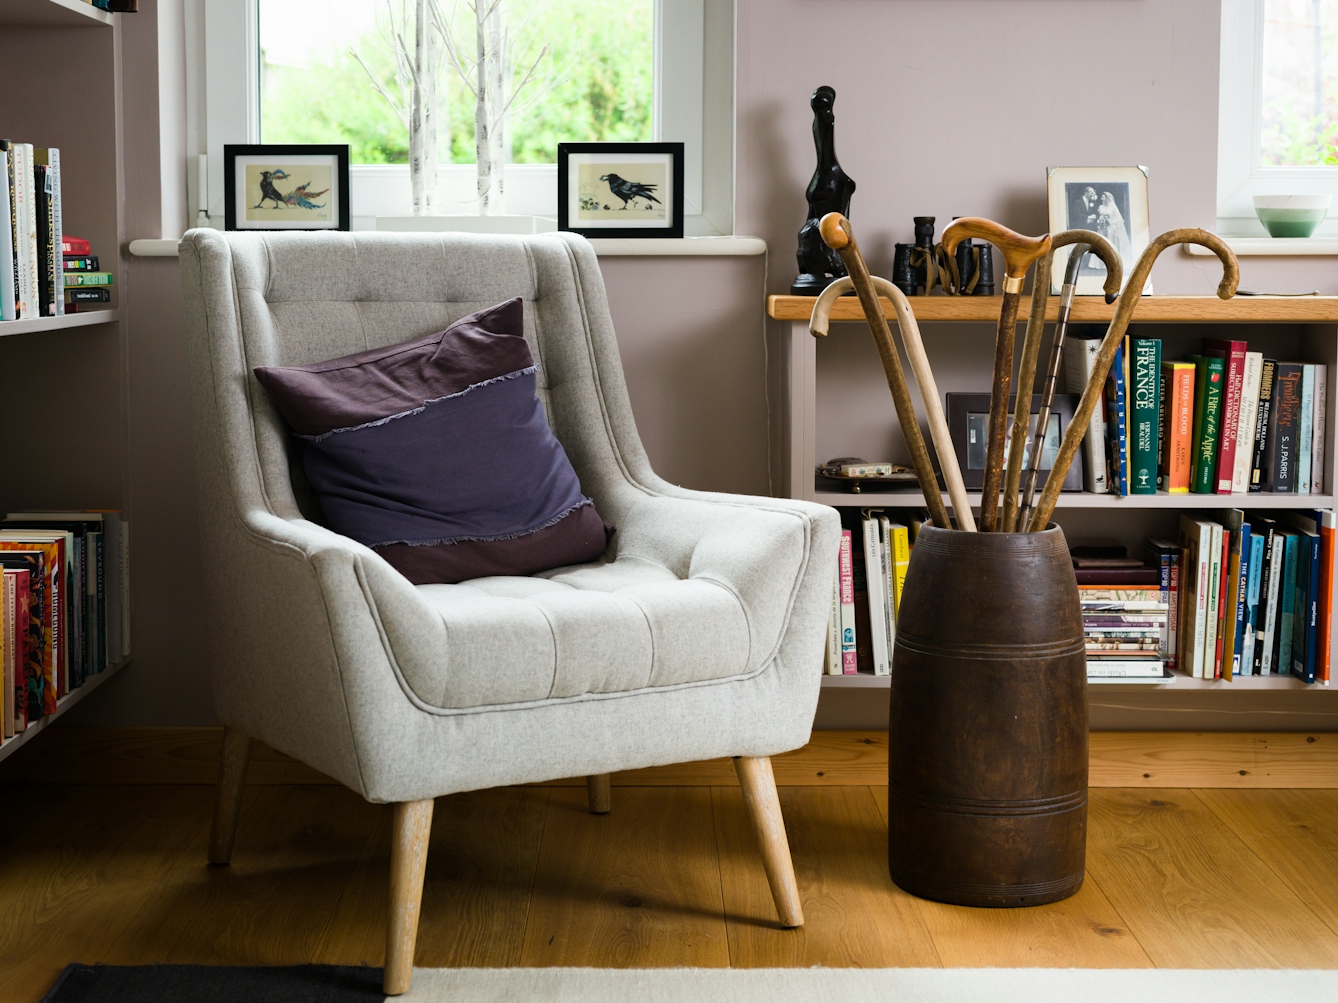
[[921, 265]]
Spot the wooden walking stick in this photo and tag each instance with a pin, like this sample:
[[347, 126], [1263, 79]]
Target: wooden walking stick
[[1086, 242], [1128, 301], [915, 351], [838, 235], [1026, 377], [1019, 252]]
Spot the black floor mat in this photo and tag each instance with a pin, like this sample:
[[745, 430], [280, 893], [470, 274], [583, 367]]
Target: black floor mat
[[215, 984]]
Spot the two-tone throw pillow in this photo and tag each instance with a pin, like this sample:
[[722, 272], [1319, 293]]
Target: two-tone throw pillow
[[436, 453]]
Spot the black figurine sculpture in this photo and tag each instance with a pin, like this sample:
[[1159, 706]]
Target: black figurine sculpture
[[829, 191]]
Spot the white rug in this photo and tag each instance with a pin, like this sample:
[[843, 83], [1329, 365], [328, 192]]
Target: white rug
[[868, 985]]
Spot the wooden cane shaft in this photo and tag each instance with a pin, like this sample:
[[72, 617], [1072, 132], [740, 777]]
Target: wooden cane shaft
[[1032, 473], [1026, 378], [1124, 311], [998, 427], [896, 383]]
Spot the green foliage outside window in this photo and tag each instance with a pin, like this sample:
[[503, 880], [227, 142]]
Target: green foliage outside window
[[596, 87]]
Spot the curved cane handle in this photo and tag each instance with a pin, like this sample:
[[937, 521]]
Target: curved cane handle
[[1098, 245], [1019, 251], [1129, 299]]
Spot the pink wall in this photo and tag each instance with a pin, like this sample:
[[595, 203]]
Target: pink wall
[[949, 107]]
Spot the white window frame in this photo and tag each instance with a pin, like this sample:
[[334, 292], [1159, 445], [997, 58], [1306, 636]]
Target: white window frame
[[1240, 114], [693, 104]]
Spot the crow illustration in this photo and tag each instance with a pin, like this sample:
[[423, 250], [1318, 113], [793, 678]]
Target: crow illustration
[[268, 193], [629, 191]]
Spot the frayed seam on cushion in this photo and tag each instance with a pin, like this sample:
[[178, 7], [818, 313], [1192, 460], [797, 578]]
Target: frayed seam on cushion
[[528, 370], [447, 541]]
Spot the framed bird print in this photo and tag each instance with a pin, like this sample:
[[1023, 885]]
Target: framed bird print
[[288, 187], [621, 189]]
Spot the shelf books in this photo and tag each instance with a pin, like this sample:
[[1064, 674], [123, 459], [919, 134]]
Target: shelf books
[[875, 553], [31, 240], [1226, 421], [1123, 630], [64, 610]]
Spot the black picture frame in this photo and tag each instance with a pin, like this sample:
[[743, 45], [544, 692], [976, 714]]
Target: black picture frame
[[670, 154], [337, 154], [963, 407]]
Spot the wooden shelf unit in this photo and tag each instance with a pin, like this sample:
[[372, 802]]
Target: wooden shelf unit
[[63, 379], [839, 406]]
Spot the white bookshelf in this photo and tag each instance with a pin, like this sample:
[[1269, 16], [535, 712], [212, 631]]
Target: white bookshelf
[[839, 405], [63, 379], [11, 745]]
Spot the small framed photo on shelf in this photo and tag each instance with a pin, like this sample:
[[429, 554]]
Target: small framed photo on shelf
[[285, 187], [621, 189], [968, 424], [1112, 201]]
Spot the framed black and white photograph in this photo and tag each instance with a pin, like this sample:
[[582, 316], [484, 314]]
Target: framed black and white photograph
[[287, 187], [969, 422], [621, 189], [1111, 201]]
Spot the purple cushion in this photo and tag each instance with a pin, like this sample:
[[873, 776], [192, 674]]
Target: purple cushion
[[436, 453]]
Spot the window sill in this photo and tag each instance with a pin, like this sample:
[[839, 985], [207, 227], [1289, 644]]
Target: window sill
[[1274, 247], [671, 247]]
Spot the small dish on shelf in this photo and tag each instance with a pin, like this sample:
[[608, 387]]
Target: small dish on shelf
[[1291, 215], [851, 472]]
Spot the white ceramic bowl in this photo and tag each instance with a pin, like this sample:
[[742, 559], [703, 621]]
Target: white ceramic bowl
[[1293, 201]]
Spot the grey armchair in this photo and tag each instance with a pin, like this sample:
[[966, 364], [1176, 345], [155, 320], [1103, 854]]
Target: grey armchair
[[699, 634]]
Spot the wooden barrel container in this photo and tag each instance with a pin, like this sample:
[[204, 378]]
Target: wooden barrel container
[[987, 744]]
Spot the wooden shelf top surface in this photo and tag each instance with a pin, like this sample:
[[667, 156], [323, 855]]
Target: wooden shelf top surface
[[88, 318], [52, 13], [1088, 499], [1086, 309]]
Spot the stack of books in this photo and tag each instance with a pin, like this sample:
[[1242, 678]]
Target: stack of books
[[1226, 421], [64, 607], [84, 282], [1125, 617]]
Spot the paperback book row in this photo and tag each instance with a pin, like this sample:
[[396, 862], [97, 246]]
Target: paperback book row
[[43, 271], [1225, 421], [1232, 596], [64, 605], [875, 553]]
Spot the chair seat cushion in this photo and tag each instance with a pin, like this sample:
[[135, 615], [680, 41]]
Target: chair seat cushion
[[437, 454], [610, 627]]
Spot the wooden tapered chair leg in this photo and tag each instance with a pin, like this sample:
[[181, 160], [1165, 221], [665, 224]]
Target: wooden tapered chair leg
[[408, 862], [232, 762], [597, 786], [759, 795]]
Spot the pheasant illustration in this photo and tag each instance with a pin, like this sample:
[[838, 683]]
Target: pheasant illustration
[[299, 198], [629, 191]]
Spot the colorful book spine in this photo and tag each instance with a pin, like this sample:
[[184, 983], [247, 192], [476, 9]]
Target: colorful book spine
[[1328, 530], [53, 272], [1317, 431], [875, 575], [831, 659], [76, 279], [1304, 623], [25, 231], [1079, 361], [1262, 424], [1280, 462], [1233, 353], [849, 663], [1282, 641], [1195, 542], [1212, 668], [1233, 542], [1165, 557], [80, 263], [1116, 427], [1268, 597], [1240, 579], [7, 280], [1177, 447], [901, 562], [1145, 395], [1209, 375], [1304, 434], [1257, 544], [1249, 414]]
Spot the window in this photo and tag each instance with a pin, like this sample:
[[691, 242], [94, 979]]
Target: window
[[322, 71], [1278, 106]]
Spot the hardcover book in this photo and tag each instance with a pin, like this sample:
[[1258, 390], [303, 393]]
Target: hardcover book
[[849, 655], [1261, 424], [1304, 432], [1144, 394], [1283, 428], [1233, 353], [37, 647], [1080, 352], [1209, 375], [1317, 432], [1257, 556], [1177, 445], [1249, 414]]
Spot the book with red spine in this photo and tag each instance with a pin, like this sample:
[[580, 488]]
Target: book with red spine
[[31, 611], [74, 245], [55, 658], [1234, 354], [849, 653]]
